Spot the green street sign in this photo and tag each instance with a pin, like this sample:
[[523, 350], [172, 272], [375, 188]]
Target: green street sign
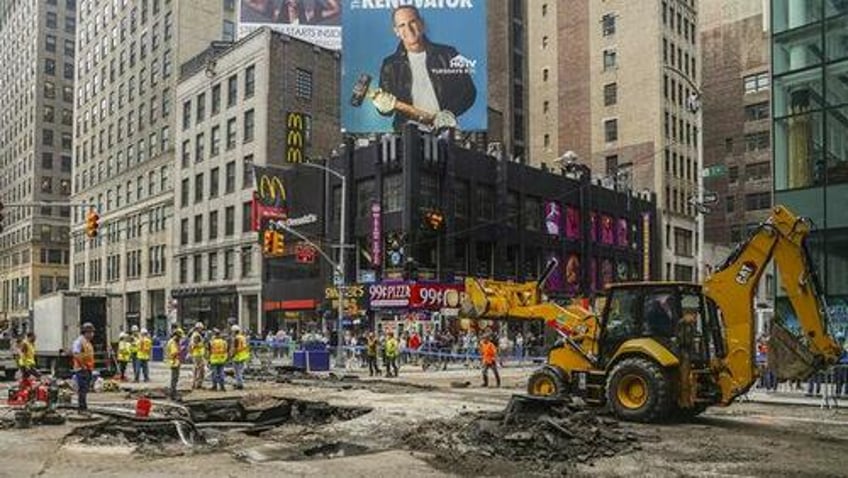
[[715, 171]]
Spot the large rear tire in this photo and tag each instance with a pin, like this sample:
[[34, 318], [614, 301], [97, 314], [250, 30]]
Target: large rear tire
[[546, 383], [639, 390]]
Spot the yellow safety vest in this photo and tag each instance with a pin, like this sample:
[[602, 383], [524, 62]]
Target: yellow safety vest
[[241, 349], [27, 355], [218, 351], [196, 346], [391, 347], [172, 349], [145, 345], [124, 351]]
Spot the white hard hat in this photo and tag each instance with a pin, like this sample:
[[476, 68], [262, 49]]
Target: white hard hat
[[143, 331], [199, 325], [122, 335], [235, 328], [134, 328]]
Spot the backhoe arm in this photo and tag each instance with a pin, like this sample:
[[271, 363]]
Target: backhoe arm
[[733, 288]]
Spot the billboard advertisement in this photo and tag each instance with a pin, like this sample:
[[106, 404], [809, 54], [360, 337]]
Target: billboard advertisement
[[316, 21], [411, 60]]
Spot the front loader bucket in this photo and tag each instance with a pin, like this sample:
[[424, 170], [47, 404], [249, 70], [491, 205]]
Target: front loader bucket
[[788, 357], [521, 407]]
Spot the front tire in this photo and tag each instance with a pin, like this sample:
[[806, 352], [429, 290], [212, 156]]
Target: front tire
[[638, 390], [545, 383]]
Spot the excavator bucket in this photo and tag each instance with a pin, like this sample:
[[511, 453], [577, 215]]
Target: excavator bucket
[[788, 357]]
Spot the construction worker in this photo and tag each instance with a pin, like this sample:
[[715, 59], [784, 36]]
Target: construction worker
[[391, 352], [26, 357], [240, 354], [371, 353], [172, 359], [489, 356], [145, 347], [83, 351], [197, 349], [124, 354], [217, 359], [134, 340]]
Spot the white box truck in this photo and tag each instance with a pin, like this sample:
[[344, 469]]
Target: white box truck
[[58, 317]]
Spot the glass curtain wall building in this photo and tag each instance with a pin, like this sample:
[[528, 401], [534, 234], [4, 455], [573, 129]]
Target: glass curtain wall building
[[810, 111]]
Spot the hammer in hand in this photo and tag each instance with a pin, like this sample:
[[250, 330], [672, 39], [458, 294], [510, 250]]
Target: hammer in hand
[[386, 102]]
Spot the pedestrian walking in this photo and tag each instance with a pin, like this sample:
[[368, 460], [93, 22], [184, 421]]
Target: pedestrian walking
[[371, 349], [489, 357], [519, 347], [124, 354], [217, 359], [197, 349], [392, 350], [145, 347], [83, 362], [240, 354], [172, 359]]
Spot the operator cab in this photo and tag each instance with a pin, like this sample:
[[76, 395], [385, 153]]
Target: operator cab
[[675, 314]]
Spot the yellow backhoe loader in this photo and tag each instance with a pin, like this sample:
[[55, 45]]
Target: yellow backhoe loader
[[662, 349]]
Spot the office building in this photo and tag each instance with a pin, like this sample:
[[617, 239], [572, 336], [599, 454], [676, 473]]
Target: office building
[[36, 126], [237, 108], [128, 54], [737, 130], [611, 81], [809, 79]]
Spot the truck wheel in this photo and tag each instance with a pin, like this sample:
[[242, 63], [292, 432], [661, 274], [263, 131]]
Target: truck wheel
[[545, 383], [638, 390]]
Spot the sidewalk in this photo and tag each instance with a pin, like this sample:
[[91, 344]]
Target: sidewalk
[[797, 399]]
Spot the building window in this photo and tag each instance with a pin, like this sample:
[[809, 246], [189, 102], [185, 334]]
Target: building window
[[198, 148], [232, 90], [610, 60], [186, 155], [229, 264], [547, 141], [198, 188], [213, 266], [757, 201], [303, 84], [228, 32], [216, 99], [545, 74], [610, 94], [611, 165], [215, 141], [229, 221], [733, 174], [186, 114], [213, 182], [608, 24], [249, 81], [183, 270], [201, 107], [213, 225], [756, 83], [198, 229], [756, 112], [50, 43], [184, 192], [611, 130], [248, 126], [730, 203], [183, 232], [246, 219], [757, 141], [198, 268], [246, 262], [757, 171], [231, 133], [683, 245], [230, 180], [247, 172]]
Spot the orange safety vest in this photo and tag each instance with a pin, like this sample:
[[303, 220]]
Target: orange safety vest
[[218, 351], [489, 352], [85, 359]]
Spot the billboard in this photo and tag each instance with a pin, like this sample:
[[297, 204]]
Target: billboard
[[316, 21], [411, 60]]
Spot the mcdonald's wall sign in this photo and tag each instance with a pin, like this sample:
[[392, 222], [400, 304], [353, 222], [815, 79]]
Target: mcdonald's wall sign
[[298, 136]]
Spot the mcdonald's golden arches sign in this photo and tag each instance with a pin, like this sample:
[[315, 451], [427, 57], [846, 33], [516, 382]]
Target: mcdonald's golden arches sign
[[298, 132]]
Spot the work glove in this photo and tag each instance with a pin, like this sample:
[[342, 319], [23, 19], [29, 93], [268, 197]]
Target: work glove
[[444, 119], [384, 101]]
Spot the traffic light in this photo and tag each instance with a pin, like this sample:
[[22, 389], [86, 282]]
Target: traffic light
[[268, 242], [92, 223], [279, 244], [1, 216]]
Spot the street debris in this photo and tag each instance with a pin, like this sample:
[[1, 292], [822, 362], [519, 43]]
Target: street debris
[[547, 433]]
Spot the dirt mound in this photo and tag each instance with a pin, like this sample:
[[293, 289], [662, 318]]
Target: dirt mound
[[547, 435]]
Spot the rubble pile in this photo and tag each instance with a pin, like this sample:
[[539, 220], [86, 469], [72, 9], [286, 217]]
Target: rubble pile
[[544, 433]]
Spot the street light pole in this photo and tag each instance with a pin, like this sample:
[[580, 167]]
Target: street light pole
[[339, 265], [693, 103]]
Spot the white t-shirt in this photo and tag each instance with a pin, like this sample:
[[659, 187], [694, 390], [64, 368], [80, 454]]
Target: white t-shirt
[[423, 94]]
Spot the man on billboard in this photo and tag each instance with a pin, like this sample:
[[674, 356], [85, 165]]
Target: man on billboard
[[292, 12], [433, 78]]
